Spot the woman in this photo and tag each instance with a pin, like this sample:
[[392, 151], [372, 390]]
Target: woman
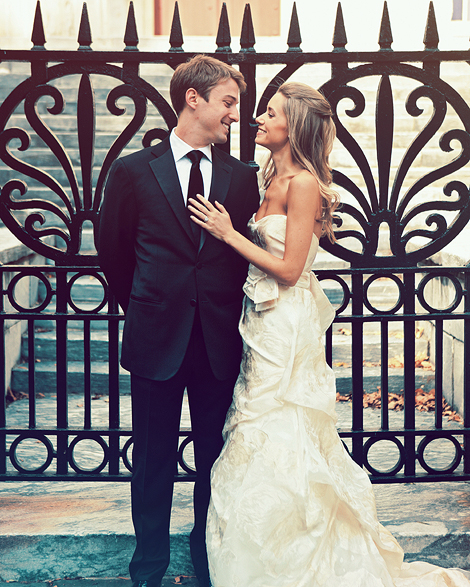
[[289, 507]]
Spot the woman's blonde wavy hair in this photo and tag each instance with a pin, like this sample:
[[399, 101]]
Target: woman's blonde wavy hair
[[311, 135]]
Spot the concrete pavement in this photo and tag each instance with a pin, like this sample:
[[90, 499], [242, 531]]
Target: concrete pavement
[[51, 531]]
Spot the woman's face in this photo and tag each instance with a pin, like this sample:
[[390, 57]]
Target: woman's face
[[272, 125]]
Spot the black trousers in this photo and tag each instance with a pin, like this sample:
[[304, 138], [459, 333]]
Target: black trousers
[[156, 412]]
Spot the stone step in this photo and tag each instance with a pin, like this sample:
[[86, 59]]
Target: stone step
[[342, 348], [45, 380], [45, 346], [47, 323], [69, 140], [45, 159]]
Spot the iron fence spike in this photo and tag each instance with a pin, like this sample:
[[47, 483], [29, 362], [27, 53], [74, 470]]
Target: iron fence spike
[[223, 39], [131, 38], [431, 35], [37, 37], [385, 36], [84, 33], [176, 33], [340, 39], [247, 36], [294, 38]]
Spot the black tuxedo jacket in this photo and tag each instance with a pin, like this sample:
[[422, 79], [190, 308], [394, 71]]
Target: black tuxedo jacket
[[160, 275]]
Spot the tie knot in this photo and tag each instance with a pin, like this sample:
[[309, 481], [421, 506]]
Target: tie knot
[[195, 156]]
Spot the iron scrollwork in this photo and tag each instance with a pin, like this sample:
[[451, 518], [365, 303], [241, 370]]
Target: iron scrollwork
[[386, 203], [70, 206]]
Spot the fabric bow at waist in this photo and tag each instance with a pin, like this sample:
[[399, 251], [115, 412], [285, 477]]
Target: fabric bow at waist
[[264, 292]]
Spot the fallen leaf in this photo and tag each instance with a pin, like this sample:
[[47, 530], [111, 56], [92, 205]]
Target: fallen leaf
[[397, 362], [342, 398], [396, 334], [345, 331], [371, 364]]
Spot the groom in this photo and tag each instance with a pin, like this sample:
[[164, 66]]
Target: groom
[[181, 290]]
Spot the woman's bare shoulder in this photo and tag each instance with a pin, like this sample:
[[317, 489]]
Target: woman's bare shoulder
[[303, 180]]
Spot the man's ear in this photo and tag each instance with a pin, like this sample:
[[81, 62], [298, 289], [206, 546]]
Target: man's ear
[[191, 98]]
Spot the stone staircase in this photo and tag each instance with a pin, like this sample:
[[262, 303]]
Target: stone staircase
[[87, 293], [108, 127]]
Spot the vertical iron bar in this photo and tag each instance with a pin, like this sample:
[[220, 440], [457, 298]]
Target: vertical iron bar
[[31, 374], [409, 372], [87, 373], [438, 373], [247, 108], [357, 339], [384, 373], [61, 372], [3, 389], [466, 375], [329, 346], [113, 361]]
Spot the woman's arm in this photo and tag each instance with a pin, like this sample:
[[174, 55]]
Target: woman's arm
[[303, 210]]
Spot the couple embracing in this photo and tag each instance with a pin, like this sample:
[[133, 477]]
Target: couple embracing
[[187, 249]]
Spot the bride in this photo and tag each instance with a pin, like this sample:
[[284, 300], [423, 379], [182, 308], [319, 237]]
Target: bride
[[289, 507]]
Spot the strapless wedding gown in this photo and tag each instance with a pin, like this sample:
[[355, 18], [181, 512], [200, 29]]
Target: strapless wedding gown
[[289, 507]]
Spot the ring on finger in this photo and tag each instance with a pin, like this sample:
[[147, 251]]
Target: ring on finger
[[205, 219]]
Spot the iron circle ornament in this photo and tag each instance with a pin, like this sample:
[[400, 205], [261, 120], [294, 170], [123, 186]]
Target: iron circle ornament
[[401, 293], [79, 438], [392, 470], [70, 203], [426, 441], [71, 283], [326, 276], [38, 437], [49, 292], [124, 454], [457, 297], [390, 202], [181, 460]]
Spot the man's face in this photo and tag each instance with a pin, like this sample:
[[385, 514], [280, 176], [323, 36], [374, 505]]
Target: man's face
[[214, 117]]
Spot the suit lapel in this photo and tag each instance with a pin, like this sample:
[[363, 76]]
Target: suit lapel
[[220, 183], [221, 177], [164, 169]]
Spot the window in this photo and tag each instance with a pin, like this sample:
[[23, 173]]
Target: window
[[460, 10], [201, 17]]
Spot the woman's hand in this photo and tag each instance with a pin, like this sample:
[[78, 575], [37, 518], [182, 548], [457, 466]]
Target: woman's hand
[[215, 219]]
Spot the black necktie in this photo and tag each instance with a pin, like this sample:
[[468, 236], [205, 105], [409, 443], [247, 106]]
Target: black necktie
[[196, 186]]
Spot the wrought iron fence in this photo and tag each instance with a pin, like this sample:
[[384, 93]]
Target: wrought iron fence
[[423, 210]]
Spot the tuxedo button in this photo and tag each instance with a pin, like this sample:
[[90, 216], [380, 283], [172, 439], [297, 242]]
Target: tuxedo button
[[199, 265], [193, 302]]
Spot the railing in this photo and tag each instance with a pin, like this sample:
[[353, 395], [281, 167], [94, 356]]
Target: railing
[[422, 214]]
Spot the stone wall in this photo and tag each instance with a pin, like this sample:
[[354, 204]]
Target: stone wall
[[12, 252], [440, 294]]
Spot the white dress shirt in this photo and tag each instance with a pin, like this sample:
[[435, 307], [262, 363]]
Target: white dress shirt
[[180, 149]]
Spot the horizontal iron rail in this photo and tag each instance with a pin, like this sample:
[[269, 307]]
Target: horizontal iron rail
[[251, 57]]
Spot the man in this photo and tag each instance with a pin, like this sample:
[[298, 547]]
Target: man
[[182, 291]]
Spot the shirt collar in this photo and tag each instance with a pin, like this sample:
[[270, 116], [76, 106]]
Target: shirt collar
[[181, 149]]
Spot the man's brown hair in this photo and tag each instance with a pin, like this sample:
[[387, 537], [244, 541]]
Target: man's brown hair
[[202, 73]]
